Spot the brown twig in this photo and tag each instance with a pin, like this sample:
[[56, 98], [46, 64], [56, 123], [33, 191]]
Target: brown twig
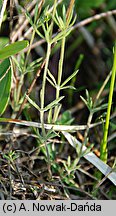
[[69, 10], [94, 18]]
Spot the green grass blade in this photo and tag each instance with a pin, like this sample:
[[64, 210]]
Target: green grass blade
[[103, 147]]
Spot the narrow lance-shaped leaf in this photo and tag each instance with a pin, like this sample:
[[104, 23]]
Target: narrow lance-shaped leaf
[[49, 106], [13, 49], [5, 84], [69, 78], [51, 76], [68, 87], [53, 103], [33, 103], [51, 82]]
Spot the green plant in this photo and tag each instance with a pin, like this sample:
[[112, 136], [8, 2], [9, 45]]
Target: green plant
[[12, 49], [11, 156], [64, 24], [6, 71], [103, 148], [93, 107], [67, 171]]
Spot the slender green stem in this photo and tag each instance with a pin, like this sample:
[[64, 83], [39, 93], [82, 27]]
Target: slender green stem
[[42, 104], [60, 67], [22, 75], [42, 96], [60, 70], [91, 112], [46, 69], [44, 75], [102, 88], [28, 52], [103, 150], [44, 85]]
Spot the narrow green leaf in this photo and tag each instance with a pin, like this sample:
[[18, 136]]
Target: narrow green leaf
[[29, 18], [83, 99], [53, 103], [79, 61], [57, 112], [5, 84], [36, 14], [68, 87], [51, 76], [49, 106], [33, 66], [33, 103], [104, 106], [51, 134], [59, 36], [51, 82], [50, 116], [64, 13], [13, 49], [17, 63], [35, 62], [69, 78]]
